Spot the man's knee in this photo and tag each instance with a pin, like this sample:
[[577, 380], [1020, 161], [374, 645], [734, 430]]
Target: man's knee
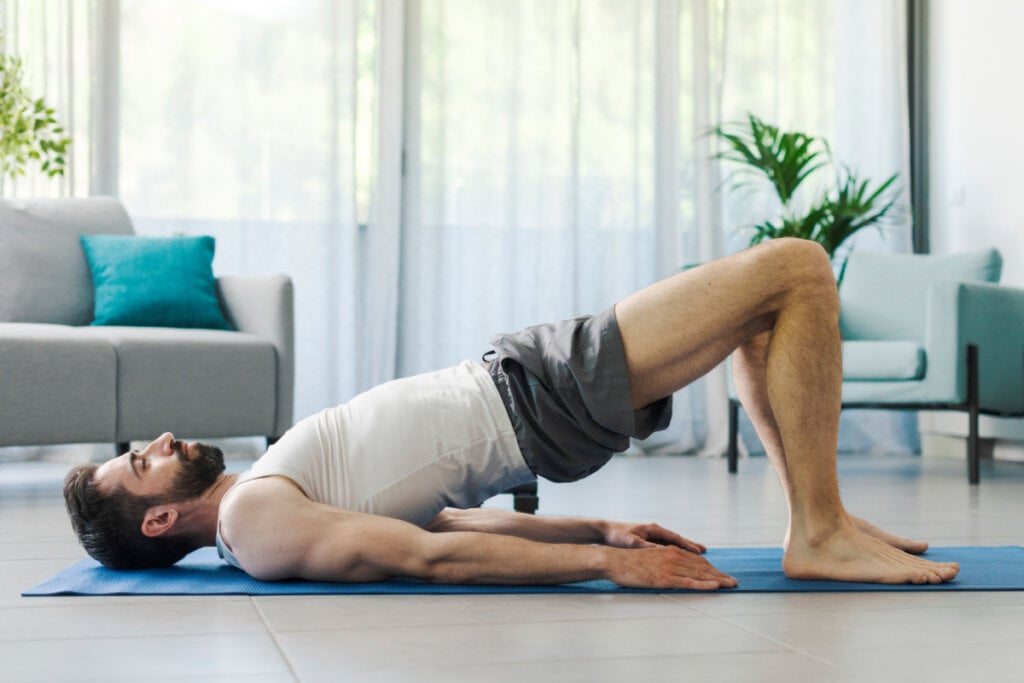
[[802, 275], [804, 265]]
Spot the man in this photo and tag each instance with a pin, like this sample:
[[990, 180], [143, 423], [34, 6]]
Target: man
[[366, 491]]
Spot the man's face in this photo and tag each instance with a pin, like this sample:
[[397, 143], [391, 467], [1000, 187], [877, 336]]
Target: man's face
[[167, 469]]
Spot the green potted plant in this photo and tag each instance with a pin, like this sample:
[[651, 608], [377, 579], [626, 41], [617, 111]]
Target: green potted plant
[[785, 159], [29, 131]]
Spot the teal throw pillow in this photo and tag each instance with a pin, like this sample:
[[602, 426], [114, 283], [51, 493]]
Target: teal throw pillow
[[154, 281]]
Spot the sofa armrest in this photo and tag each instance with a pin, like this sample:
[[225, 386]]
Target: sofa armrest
[[991, 317], [263, 305]]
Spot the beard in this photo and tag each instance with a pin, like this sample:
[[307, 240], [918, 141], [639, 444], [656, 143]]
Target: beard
[[196, 475]]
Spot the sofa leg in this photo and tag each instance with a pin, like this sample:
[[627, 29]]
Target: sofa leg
[[734, 428], [122, 447], [973, 447]]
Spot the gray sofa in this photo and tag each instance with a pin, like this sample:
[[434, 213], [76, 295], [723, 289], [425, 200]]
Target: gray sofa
[[64, 381]]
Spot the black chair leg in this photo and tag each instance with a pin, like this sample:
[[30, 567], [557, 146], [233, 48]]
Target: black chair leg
[[734, 428], [973, 446], [525, 498], [122, 447]]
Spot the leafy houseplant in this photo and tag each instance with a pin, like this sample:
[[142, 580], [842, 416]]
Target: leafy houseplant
[[28, 128], [786, 160]]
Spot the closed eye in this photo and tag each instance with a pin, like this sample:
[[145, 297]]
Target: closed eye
[[132, 457]]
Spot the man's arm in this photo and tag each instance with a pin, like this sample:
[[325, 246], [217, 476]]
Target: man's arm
[[276, 533], [560, 529]]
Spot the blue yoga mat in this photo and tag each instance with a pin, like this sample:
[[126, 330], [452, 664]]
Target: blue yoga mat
[[758, 570]]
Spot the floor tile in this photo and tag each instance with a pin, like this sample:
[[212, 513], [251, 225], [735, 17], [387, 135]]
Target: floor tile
[[763, 667], [843, 637], [368, 652], [139, 659], [310, 613], [796, 603], [171, 616], [904, 636], [991, 662]]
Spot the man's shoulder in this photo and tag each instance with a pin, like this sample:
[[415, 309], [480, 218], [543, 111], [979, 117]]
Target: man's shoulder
[[257, 521], [258, 496]]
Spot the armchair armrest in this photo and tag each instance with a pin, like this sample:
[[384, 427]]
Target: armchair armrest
[[262, 305], [991, 317]]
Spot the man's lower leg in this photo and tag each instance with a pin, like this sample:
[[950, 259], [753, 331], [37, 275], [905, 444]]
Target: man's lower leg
[[803, 384], [783, 292]]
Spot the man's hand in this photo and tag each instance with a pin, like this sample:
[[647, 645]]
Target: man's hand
[[665, 567], [625, 535]]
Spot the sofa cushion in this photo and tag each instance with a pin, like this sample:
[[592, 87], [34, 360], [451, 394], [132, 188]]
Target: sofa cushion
[[154, 281], [59, 385], [883, 361], [43, 273], [208, 382]]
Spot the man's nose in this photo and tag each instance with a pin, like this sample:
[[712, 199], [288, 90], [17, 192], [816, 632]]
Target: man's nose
[[162, 444]]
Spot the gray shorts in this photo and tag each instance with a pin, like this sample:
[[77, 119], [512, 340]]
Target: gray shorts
[[566, 388]]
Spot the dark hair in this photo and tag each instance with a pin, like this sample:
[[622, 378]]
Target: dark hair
[[109, 525]]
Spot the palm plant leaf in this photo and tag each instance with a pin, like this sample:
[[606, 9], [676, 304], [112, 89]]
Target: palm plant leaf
[[855, 206], [786, 159]]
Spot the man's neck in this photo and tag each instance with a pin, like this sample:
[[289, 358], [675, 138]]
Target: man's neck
[[206, 513]]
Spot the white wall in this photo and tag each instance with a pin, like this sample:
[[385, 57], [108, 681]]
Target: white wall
[[977, 129], [976, 148]]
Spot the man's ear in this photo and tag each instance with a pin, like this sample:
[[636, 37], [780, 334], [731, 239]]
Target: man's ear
[[159, 520]]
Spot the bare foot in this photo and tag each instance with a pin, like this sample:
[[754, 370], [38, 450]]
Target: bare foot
[[849, 554], [905, 544]]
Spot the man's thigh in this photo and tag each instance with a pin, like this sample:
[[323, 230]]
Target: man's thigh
[[677, 330]]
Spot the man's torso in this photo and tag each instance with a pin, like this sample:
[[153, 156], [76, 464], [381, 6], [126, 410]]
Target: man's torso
[[405, 449]]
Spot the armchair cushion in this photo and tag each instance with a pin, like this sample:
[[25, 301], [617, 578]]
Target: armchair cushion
[[884, 296], [882, 361]]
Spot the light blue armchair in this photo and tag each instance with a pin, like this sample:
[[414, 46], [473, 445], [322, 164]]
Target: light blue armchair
[[928, 333]]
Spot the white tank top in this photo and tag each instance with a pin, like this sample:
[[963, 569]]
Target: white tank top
[[405, 449]]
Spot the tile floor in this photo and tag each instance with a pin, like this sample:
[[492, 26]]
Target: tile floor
[[740, 637]]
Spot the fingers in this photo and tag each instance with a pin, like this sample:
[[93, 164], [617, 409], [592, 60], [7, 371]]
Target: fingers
[[667, 567], [693, 547], [706, 581], [666, 537], [694, 572], [699, 585]]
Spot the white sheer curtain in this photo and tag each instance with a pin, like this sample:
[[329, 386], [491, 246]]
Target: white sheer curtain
[[537, 170], [431, 172], [535, 135], [836, 69], [63, 62], [248, 121]]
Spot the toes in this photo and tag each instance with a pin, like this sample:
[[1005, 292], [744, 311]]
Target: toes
[[914, 547]]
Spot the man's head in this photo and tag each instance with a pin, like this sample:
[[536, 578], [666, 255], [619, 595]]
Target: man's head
[[125, 510]]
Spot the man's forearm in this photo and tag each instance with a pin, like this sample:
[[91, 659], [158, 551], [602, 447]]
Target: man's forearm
[[471, 557], [532, 527], [468, 557]]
